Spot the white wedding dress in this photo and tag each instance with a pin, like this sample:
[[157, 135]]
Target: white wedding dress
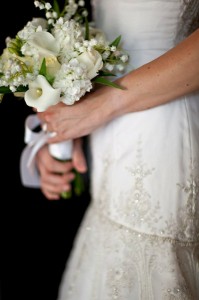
[[139, 239]]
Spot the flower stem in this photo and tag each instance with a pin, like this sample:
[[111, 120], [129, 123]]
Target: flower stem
[[66, 194], [77, 184]]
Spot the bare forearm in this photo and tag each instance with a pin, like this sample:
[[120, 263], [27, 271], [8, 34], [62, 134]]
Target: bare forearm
[[172, 75]]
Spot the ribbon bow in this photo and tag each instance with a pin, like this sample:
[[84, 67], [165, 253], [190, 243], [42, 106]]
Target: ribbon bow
[[34, 140]]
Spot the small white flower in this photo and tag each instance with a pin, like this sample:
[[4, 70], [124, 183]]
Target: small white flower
[[124, 58], [113, 48], [77, 45], [48, 6], [41, 6], [105, 55], [54, 14], [48, 15], [109, 67], [120, 67], [36, 3], [81, 3], [51, 21], [93, 42], [86, 43], [13, 88], [85, 13]]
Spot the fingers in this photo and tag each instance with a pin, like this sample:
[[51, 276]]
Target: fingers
[[64, 120], [55, 176], [79, 160], [50, 115], [53, 185]]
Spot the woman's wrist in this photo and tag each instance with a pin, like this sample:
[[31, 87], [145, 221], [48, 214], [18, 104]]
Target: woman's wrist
[[110, 104]]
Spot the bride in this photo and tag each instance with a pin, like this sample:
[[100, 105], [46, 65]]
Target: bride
[[139, 239]]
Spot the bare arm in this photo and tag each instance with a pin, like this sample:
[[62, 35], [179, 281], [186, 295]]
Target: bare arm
[[174, 74], [171, 75]]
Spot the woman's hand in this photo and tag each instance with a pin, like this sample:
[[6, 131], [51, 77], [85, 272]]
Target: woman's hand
[[81, 118], [56, 176]]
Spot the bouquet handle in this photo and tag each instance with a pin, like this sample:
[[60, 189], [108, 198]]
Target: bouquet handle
[[61, 151]]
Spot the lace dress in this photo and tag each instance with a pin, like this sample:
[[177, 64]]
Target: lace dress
[[139, 239]]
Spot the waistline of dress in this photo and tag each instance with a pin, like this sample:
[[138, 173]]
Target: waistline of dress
[[143, 235]]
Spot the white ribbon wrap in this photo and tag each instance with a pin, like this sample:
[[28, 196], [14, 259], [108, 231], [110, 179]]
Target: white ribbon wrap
[[62, 150], [35, 140]]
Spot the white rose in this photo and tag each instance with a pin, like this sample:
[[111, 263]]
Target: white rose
[[41, 95], [93, 62]]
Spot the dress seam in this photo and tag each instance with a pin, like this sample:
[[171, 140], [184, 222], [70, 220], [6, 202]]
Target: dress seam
[[141, 234]]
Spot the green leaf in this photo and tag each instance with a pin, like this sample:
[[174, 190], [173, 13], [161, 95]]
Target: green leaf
[[4, 90], [66, 195], [42, 70], [104, 81], [116, 41], [56, 7], [102, 73], [22, 88], [78, 184], [87, 33]]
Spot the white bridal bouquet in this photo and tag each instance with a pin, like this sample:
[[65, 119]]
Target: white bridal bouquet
[[59, 58]]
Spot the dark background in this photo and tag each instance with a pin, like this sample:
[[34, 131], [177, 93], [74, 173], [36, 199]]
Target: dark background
[[36, 234]]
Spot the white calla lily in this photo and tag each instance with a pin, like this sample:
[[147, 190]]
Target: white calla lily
[[45, 43], [41, 95]]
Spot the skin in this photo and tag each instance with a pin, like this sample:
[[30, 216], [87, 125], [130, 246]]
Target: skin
[[172, 75], [56, 176]]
